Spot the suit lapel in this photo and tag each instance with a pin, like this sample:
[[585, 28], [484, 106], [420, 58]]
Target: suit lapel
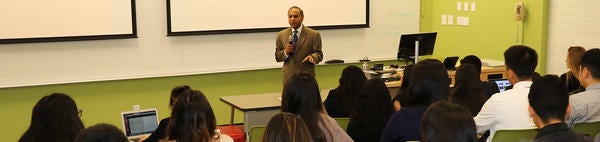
[[302, 36]]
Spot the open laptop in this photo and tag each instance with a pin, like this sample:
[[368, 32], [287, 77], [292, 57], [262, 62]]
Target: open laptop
[[138, 123], [503, 84]]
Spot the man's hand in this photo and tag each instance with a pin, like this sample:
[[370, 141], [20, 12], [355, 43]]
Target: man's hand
[[289, 49], [310, 59]]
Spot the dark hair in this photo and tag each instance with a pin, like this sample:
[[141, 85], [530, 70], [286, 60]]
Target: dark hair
[[401, 96], [192, 119], [101, 133], [301, 96], [352, 79], [447, 122], [176, 92], [296, 7], [549, 98], [55, 118], [373, 108], [286, 127], [473, 60], [429, 83], [591, 60], [467, 90], [522, 60]]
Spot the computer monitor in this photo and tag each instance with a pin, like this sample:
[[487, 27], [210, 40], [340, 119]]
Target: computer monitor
[[140, 122], [408, 47]]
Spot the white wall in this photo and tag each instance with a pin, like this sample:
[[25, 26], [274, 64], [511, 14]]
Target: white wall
[[153, 54], [571, 23]]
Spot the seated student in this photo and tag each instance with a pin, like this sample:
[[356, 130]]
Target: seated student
[[401, 96], [574, 54], [586, 104], [286, 127], [101, 133], [341, 100], [548, 107], [371, 113], [193, 120], [444, 121], [301, 97], [429, 83], [488, 89], [506, 110], [467, 90], [55, 118], [160, 131]]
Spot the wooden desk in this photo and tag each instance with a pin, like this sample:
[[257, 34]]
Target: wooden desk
[[486, 74]]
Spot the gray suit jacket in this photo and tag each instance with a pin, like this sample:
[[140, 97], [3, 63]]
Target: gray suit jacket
[[309, 43]]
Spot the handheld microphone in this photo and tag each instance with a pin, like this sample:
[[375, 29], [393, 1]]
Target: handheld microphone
[[291, 42]]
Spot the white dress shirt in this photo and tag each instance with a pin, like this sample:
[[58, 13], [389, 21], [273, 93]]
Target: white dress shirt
[[506, 110], [585, 106]]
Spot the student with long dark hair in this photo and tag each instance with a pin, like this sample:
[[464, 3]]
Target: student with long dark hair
[[55, 118], [301, 96], [341, 100], [429, 83], [286, 127], [372, 111], [467, 89], [444, 121], [193, 120], [489, 89], [160, 131], [400, 98]]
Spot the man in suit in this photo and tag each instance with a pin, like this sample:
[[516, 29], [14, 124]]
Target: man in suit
[[298, 47]]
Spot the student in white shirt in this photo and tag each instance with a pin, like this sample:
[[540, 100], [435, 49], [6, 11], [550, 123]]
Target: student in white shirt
[[509, 109], [586, 104]]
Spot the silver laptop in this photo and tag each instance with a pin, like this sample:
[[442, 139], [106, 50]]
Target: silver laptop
[[139, 123]]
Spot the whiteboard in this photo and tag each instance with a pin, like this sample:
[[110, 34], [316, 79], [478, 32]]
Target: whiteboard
[[185, 17], [154, 54], [60, 20]]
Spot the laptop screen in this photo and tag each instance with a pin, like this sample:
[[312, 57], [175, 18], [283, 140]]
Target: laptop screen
[[502, 84], [138, 123]]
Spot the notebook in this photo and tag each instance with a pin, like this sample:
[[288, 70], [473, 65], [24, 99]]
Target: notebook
[[139, 123]]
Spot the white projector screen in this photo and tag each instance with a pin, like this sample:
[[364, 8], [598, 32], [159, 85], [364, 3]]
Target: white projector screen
[[64, 20], [192, 17]]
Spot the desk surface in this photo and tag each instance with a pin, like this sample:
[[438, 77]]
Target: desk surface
[[253, 102], [485, 70]]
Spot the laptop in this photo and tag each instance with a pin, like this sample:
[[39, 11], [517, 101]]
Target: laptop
[[450, 62], [138, 123], [503, 84]]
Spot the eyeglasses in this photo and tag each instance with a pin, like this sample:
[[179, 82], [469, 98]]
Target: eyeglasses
[[79, 112]]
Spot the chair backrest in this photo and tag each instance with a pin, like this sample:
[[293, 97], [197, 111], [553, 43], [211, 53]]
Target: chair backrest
[[343, 122], [526, 135], [256, 133], [591, 128]]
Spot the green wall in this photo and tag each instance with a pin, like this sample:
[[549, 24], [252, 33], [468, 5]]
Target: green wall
[[492, 29]]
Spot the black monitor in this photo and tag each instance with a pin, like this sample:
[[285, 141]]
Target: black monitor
[[406, 48]]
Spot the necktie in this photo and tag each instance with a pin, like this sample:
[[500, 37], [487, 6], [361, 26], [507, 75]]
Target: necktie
[[295, 40]]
